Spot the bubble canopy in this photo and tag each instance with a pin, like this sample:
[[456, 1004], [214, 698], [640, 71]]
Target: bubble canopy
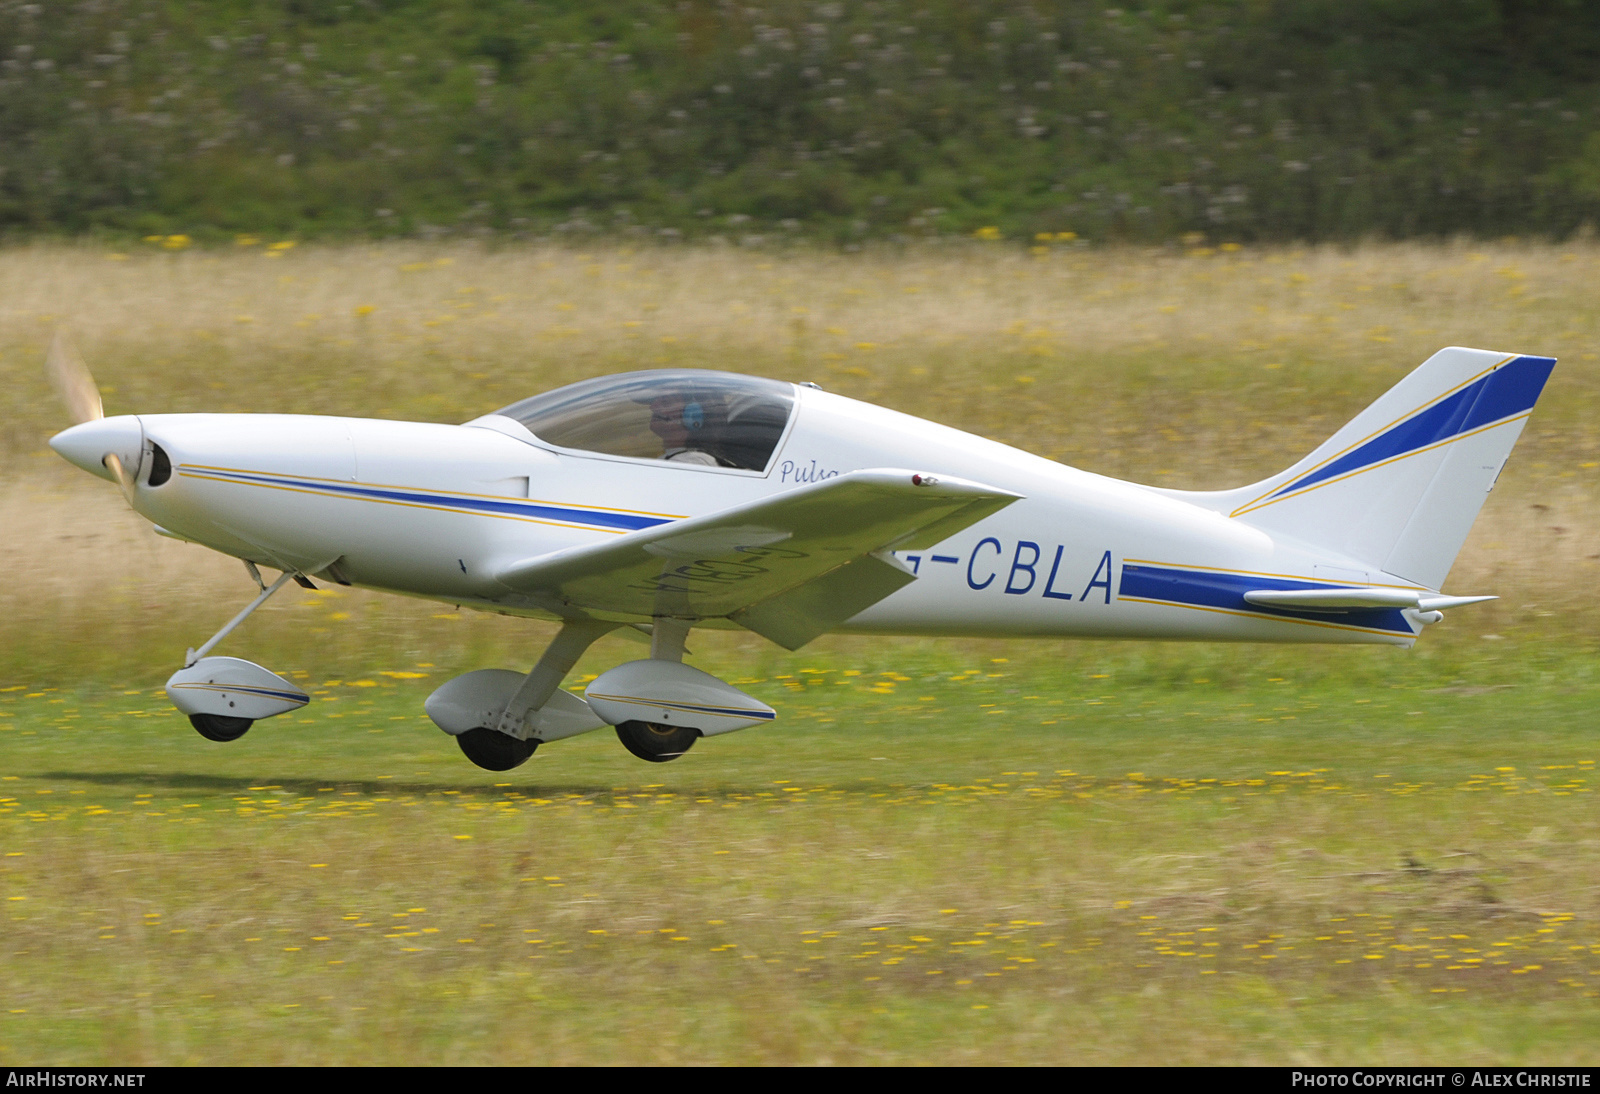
[[691, 416]]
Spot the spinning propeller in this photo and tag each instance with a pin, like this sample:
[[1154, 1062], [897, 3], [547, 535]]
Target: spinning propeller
[[78, 392]]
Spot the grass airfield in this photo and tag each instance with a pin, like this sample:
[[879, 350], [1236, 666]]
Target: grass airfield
[[943, 852], [956, 860]]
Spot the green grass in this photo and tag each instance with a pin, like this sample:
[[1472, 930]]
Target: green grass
[[1065, 855]]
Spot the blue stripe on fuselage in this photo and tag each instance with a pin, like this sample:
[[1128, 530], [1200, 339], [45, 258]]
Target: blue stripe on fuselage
[[627, 522], [1207, 589], [1509, 390]]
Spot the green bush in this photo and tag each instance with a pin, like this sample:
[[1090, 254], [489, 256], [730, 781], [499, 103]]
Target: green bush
[[1280, 119]]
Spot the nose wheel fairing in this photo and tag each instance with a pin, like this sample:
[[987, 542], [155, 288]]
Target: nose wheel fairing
[[231, 687], [224, 696]]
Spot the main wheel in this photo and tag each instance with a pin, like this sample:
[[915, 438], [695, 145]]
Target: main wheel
[[656, 742], [495, 751], [220, 727]]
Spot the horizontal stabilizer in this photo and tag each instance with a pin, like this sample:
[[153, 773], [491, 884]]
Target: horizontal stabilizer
[[1356, 600]]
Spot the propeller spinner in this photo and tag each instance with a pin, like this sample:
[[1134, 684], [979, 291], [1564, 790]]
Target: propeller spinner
[[95, 443]]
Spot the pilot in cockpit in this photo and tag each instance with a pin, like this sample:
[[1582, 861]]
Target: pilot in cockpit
[[689, 425], [691, 417]]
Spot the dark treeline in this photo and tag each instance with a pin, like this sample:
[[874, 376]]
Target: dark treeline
[[1247, 119]]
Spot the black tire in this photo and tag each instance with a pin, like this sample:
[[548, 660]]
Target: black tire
[[495, 751], [656, 742], [220, 727]]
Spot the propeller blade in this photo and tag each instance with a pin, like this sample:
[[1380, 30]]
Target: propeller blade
[[124, 478], [78, 392], [72, 380]]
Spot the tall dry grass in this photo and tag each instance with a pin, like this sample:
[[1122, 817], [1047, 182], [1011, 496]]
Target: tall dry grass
[[1202, 369], [1101, 356]]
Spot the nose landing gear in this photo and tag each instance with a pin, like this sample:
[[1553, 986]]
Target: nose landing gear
[[225, 696]]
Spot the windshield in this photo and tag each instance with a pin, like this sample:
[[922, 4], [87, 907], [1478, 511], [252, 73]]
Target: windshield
[[715, 419]]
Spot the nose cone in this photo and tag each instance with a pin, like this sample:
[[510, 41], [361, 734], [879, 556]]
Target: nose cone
[[87, 445]]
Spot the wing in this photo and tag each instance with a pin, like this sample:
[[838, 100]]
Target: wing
[[788, 567]]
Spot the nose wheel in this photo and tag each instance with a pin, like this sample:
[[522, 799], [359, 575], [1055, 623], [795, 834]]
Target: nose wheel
[[656, 742], [220, 727]]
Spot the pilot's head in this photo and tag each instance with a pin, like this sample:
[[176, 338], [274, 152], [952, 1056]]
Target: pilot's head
[[684, 419], [675, 418]]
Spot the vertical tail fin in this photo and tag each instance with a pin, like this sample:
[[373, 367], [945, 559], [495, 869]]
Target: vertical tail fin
[[1398, 488]]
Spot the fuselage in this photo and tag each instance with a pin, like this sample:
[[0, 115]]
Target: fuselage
[[436, 511]]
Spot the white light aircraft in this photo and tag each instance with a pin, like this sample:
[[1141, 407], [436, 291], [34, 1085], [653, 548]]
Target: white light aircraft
[[673, 499]]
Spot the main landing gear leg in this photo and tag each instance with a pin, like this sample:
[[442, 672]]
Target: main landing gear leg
[[668, 638], [511, 743]]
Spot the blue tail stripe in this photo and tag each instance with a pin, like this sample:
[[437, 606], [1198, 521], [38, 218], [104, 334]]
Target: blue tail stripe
[[1206, 589], [1509, 390]]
